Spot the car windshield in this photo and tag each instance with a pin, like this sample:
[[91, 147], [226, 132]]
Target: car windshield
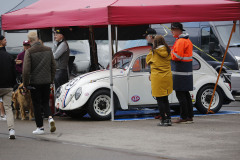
[[121, 60], [224, 32]]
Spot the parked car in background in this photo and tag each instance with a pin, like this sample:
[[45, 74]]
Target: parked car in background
[[89, 93], [210, 39]]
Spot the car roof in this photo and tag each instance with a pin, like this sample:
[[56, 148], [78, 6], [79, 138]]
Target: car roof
[[138, 50]]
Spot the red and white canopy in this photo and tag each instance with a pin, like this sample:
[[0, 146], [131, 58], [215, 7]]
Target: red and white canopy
[[60, 13]]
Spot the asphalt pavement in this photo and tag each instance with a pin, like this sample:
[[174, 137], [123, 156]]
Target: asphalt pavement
[[210, 137]]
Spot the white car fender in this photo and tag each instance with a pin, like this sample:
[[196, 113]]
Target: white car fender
[[211, 80], [89, 89]]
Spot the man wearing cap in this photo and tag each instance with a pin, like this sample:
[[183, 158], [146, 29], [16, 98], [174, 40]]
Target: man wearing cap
[[181, 65], [149, 36], [61, 55], [7, 81], [20, 58]]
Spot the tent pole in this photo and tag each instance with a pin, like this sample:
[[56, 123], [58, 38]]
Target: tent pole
[[54, 89], [110, 69], [239, 27], [3, 32], [53, 34], [116, 38], [220, 70]]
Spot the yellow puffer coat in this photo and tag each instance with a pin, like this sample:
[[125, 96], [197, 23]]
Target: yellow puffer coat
[[161, 75]]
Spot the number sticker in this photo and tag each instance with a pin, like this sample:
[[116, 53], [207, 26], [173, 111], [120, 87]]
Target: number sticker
[[135, 98]]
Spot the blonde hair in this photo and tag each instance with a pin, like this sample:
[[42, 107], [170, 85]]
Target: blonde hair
[[32, 36]]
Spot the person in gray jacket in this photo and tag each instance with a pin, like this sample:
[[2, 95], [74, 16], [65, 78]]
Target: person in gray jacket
[[61, 55]]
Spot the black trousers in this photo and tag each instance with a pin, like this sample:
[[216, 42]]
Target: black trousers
[[61, 77], [40, 99], [185, 100], [164, 108]]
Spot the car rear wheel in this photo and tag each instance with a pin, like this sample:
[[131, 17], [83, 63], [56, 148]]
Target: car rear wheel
[[204, 97], [99, 105]]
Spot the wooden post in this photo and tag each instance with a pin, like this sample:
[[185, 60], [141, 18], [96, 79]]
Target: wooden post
[[220, 70], [93, 50]]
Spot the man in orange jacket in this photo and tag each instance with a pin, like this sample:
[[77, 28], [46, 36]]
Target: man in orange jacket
[[181, 65]]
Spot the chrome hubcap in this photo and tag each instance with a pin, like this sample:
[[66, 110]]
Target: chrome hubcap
[[102, 105], [206, 98]]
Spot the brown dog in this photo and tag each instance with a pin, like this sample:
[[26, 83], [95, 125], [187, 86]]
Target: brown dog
[[23, 101]]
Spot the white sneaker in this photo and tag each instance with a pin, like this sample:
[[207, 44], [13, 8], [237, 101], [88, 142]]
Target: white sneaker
[[52, 125], [38, 131], [3, 118], [12, 134]]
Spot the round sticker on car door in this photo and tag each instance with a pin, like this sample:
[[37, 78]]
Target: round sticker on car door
[[135, 98]]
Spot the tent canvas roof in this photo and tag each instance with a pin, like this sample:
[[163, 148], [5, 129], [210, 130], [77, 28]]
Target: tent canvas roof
[[58, 13]]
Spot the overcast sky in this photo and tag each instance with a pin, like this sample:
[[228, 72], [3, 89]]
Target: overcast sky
[[11, 5]]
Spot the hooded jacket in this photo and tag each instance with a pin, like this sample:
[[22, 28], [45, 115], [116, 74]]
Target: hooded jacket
[[161, 76]]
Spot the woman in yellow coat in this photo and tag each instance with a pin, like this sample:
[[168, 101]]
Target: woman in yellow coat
[[161, 77]]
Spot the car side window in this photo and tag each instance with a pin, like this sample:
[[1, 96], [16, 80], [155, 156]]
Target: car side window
[[140, 65], [205, 39], [196, 64], [209, 42]]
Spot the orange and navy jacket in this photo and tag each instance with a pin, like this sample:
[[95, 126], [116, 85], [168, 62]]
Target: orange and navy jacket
[[182, 49], [181, 64]]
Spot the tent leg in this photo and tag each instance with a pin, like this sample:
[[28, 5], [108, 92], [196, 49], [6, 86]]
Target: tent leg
[[53, 34], [3, 32], [54, 89], [116, 39], [220, 70], [110, 69], [239, 27]]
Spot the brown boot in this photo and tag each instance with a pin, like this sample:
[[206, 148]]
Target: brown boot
[[180, 120], [158, 117], [190, 120]]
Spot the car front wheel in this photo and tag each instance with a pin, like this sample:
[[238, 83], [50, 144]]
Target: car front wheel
[[99, 105], [204, 97]]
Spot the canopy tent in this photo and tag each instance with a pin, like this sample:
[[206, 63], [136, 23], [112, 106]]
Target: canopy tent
[[58, 13]]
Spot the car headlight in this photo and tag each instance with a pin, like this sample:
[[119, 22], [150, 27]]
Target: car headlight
[[238, 60], [58, 92], [78, 93]]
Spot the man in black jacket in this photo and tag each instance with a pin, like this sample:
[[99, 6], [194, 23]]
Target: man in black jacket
[[7, 81]]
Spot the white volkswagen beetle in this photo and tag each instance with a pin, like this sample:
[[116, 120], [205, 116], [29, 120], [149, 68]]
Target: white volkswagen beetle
[[90, 93]]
